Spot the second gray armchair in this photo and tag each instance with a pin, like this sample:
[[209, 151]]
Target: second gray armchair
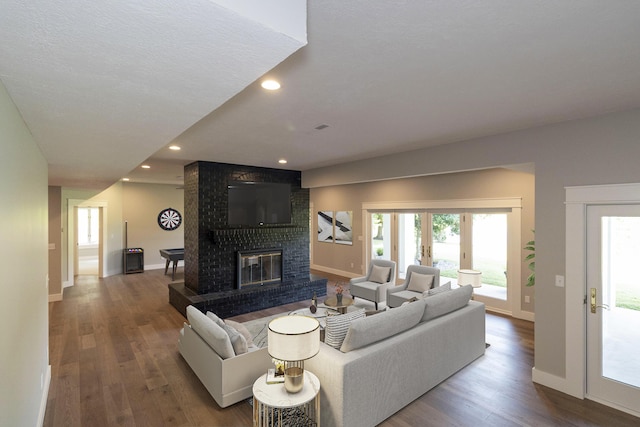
[[429, 278], [373, 287]]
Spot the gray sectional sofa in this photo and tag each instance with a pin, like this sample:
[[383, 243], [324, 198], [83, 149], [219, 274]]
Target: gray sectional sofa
[[390, 359]]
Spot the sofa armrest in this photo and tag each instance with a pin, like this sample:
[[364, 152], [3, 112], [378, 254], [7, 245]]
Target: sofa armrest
[[227, 380], [357, 280], [383, 289], [398, 288]]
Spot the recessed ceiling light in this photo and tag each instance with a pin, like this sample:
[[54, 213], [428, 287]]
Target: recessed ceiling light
[[282, 161], [174, 148], [125, 179], [145, 167], [270, 85]]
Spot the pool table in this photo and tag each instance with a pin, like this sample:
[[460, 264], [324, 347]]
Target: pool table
[[172, 255]]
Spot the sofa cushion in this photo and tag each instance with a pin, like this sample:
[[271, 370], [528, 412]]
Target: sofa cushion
[[437, 290], [372, 329], [242, 329], [446, 302], [238, 342], [209, 331], [337, 326], [420, 282], [379, 274]]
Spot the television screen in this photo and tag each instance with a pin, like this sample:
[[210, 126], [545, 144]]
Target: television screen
[[259, 203]]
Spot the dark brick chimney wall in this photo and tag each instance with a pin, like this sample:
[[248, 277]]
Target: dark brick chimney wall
[[211, 245]]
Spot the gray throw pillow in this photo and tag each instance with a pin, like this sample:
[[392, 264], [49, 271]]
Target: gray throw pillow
[[238, 342], [211, 315], [420, 282], [242, 329], [376, 328], [337, 327], [446, 302], [437, 290], [379, 274]]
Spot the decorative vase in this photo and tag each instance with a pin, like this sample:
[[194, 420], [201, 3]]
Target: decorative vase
[[339, 299]]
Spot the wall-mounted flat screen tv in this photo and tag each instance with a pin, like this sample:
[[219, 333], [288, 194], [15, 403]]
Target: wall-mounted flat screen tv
[[258, 203]]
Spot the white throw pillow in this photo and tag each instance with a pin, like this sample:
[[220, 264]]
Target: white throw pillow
[[420, 282], [337, 326], [437, 290], [379, 274], [242, 329], [210, 332]]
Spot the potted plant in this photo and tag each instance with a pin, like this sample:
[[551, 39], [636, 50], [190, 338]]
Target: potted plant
[[531, 246], [379, 252]]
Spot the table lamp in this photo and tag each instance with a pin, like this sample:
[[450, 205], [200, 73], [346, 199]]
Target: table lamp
[[470, 277], [293, 339]]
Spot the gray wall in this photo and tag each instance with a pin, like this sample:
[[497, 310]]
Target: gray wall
[[24, 324], [602, 150]]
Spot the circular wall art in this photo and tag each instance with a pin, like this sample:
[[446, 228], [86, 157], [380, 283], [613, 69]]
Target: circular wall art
[[169, 219]]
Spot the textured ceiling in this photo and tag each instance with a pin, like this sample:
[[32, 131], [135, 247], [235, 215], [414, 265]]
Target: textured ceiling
[[102, 86], [384, 76]]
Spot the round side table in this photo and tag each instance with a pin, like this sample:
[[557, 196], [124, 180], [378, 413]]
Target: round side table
[[273, 405]]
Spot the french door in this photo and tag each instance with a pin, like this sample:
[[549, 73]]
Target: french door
[[449, 241], [397, 236], [613, 305]]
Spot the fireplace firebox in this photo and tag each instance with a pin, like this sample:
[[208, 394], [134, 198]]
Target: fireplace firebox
[[259, 267]]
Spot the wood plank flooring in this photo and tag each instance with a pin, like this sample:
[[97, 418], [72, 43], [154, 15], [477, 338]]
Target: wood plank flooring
[[115, 362]]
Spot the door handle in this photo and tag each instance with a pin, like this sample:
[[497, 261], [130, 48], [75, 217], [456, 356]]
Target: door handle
[[594, 305]]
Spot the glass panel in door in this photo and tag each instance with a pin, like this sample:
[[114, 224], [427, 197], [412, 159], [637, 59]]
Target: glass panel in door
[[381, 235], [489, 253], [445, 246], [613, 309], [409, 241]]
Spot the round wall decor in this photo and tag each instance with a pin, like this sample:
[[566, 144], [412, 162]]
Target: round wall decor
[[169, 219]]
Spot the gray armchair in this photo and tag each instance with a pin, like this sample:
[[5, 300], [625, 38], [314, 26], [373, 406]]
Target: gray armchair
[[397, 295], [373, 287]]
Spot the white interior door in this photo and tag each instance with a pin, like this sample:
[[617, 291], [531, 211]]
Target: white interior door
[[613, 305]]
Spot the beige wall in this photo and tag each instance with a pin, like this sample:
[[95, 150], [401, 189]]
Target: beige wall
[[24, 325], [55, 243], [141, 205], [485, 184], [602, 150]]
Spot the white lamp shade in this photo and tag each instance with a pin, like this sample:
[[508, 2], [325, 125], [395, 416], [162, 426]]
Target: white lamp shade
[[293, 338], [470, 277]]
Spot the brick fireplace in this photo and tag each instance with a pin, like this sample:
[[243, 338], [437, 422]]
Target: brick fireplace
[[212, 246]]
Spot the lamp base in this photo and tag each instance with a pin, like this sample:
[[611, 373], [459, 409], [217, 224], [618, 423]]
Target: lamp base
[[293, 376]]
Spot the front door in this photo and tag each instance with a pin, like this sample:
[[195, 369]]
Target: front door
[[613, 305]]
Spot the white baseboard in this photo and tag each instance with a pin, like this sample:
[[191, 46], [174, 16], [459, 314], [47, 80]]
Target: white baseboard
[[44, 397], [525, 315], [157, 267], [335, 271], [55, 297], [555, 382]]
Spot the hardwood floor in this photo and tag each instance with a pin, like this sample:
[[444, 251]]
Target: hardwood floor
[[114, 358]]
